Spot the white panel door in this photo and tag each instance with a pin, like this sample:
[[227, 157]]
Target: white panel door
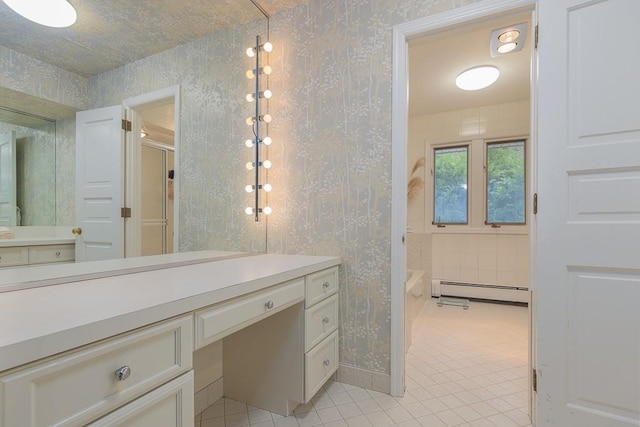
[[588, 313], [99, 184], [8, 203]]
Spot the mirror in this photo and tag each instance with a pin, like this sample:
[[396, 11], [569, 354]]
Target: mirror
[[33, 178], [210, 173]]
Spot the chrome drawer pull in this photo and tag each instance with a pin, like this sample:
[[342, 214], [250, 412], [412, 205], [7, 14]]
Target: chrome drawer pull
[[123, 373], [268, 305], [326, 362], [325, 285], [325, 319]]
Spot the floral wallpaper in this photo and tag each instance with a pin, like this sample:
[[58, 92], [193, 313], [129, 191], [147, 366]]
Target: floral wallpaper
[[332, 130], [28, 75]]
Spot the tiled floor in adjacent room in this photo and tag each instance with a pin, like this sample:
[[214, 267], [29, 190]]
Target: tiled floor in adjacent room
[[465, 368]]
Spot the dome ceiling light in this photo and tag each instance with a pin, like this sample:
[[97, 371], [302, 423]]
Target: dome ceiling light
[[508, 39], [477, 77], [50, 13]]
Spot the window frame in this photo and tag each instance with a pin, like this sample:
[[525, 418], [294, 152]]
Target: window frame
[[485, 195], [434, 149]]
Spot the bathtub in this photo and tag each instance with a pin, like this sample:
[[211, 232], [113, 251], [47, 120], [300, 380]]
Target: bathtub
[[414, 291]]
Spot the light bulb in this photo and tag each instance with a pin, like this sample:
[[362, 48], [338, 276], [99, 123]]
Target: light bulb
[[266, 164], [267, 94], [267, 187], [267, 210], [249, 143], [268, 47], [250, 97], [251, 52], [248, 211], [507, 47], [267, 70], [249, 188], [509, 36], [250, 74], [249, 166], [267, 140], [250, 120], [266, 118]]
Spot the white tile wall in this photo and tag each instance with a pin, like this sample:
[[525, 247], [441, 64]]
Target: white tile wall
[[485, 258]]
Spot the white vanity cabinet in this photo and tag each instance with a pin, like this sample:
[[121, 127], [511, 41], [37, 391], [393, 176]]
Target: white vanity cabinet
[[82, 385], [321, 329], [25, 255], [47, 254], [14, 256], [283, 360], [118, 350]]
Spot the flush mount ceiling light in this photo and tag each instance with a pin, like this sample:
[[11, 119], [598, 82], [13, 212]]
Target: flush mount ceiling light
[[508, 39], [477, 78], [51, 13]]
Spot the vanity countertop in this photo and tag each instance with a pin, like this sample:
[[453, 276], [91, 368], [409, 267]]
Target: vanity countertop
[[43, 321], [23, 278], [36, 241]]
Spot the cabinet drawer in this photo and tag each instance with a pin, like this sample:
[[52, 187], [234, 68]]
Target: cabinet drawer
[[51, 253], [82, 385], [169, 406], [216, 322], [319, 321], [320, 363], [10, 257], [321, 285]]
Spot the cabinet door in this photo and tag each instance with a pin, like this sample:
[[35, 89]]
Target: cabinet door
[[170, 405]]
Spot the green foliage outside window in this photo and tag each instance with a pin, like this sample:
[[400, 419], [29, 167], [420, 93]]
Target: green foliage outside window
[[506, 183], [450, 185]]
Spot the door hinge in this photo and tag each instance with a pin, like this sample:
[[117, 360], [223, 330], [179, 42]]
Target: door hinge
[[125, 212], [535, 203], [534, 380], [126, 125], [536, 38]]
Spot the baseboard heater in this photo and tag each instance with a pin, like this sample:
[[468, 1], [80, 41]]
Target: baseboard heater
[[479, 290]]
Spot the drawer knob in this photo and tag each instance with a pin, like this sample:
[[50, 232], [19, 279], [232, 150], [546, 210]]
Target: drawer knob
[[268, 305], [58, 253], [123, 373], [325, 285], [325, 319], [326, 362]]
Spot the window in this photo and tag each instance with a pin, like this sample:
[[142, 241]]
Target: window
[[505, 183], [450, 170]]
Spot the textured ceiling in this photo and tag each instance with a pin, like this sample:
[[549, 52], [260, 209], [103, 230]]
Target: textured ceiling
[[112, 33], [435, 62]]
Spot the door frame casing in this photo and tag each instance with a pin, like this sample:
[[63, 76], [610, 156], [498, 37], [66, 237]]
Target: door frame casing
[[402, 33], [133, 154]]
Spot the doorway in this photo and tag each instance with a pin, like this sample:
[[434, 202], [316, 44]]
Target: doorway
[[153, 171], [109, 177], [157, 171], [431, 26]]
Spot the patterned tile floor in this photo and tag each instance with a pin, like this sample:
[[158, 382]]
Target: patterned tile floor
[[464, 368]]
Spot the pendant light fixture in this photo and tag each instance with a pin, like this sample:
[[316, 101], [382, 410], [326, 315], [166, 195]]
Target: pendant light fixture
[[50, 13]]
